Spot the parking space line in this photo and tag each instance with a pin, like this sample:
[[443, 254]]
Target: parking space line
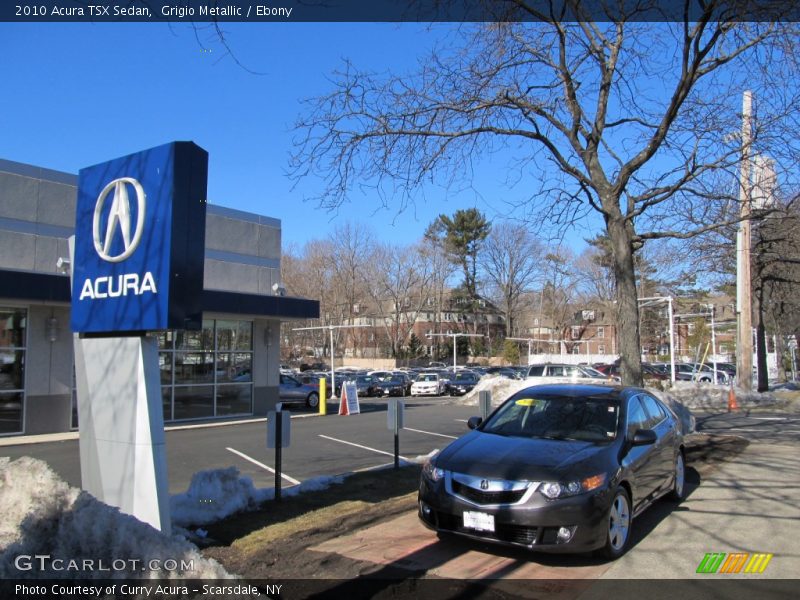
[[360, 446], [263, 466], [452, 437]]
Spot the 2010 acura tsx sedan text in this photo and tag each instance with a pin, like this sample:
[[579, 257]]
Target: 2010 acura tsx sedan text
[[557, 468]]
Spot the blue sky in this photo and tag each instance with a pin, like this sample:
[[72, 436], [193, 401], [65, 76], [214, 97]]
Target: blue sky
[[79, 94]]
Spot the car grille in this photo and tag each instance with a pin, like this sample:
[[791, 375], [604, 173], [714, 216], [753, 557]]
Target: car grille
[[482, 497]]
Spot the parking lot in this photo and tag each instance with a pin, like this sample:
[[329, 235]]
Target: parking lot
[[743, 503], [319, 446]]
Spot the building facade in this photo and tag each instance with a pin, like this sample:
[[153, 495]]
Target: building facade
[[228, 368]]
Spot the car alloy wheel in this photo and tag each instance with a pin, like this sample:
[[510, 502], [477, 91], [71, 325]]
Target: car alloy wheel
[[679, 479], [313, 400], [619, 525]]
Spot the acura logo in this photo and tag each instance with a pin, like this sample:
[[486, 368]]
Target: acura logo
[[119, 219], [484, 484]]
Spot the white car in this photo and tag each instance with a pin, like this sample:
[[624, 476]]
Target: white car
[[561, 373], [428, 384]]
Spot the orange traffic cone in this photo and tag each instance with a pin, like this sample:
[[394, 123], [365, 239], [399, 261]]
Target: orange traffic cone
[[732, 405]]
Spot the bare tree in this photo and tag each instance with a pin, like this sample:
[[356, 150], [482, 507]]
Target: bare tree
[[511, 266], [628, 119], [397, 284]]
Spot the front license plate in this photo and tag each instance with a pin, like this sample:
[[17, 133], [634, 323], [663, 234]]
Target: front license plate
[[478, 520]]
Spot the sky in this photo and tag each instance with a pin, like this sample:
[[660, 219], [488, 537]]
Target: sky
[[77, 94]]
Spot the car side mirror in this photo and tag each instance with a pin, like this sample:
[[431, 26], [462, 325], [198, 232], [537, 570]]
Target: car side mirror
[[644, 437], [474, 422]]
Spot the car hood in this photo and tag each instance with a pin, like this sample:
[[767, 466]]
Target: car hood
[[499, 457]]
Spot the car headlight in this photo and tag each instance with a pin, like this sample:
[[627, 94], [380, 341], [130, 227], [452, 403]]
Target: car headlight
[[553, 489], [432, 472]]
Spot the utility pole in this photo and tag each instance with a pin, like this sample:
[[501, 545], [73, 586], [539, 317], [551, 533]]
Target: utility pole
[[744, 302]]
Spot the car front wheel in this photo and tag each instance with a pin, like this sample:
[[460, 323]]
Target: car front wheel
[[619, 525], [312, 401]]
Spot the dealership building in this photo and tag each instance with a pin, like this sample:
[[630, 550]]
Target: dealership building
[[227, 369]]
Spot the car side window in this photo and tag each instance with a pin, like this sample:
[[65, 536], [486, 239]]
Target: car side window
[[536, 371], [556, 371], [637, 418], [655, 414]]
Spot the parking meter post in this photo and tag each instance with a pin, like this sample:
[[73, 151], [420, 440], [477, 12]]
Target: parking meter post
[[278, 444], [485, 403], [323, 401]]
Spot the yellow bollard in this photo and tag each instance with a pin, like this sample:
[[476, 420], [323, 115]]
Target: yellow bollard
[[323, 403]]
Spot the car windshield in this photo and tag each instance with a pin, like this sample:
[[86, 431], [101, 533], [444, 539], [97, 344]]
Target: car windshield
[[465, 377], [427, 377], [583, 418]]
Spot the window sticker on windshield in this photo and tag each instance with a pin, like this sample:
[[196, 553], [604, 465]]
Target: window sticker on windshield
[[525, 402], [611, 409]]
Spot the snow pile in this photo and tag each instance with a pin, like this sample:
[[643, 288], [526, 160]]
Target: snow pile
[[706, 396], [213, 495], [501, 389], [219, 493], [42, 515]]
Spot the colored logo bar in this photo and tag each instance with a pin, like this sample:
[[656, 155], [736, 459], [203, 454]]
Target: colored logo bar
[[736, 562]]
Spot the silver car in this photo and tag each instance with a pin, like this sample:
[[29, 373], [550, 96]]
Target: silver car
[[291, 390]]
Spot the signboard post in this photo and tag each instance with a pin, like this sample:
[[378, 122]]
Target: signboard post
[[279, 425], [394, 422], [485, 403], [137, 266]]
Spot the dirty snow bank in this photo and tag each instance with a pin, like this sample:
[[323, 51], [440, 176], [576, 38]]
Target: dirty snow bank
[[705, 396], [42, 515]]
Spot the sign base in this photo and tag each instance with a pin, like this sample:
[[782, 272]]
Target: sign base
[[121, 420]]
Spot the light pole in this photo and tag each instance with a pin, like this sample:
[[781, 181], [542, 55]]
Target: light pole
[[331, 328], [713, 341], [652, 301], [454, 336]]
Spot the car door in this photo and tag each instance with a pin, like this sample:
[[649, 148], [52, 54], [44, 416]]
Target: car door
[[664, 451], [290, 389], [639, 460]]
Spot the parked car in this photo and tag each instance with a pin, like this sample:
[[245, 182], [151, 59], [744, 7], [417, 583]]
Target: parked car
[[463, 383], [507, 372], [394, 386], [557, 468], [563, 373], [699, 372], [429, 384], [292, 390]]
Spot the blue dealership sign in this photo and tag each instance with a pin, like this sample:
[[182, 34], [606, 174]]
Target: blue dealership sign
[[140, 242]]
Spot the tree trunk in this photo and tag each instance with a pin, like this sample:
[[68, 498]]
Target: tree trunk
[[621, 236]]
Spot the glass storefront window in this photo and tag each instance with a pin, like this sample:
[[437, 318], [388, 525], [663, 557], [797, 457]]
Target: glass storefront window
[[196, 340], [234, 335], [10, 412], [13, 325], [194, 402], [210, 371], [234, 367], [234, 399]]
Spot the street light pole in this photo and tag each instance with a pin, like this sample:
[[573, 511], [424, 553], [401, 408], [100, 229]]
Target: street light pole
[[331, 328], [454, 336]]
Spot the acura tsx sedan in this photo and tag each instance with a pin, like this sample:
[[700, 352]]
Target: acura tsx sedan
[[557, 468]]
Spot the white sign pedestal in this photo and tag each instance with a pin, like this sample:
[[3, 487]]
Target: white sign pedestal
[[120, 412]]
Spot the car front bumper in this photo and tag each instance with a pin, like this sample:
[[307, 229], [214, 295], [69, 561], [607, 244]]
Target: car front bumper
[[533, 524]]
